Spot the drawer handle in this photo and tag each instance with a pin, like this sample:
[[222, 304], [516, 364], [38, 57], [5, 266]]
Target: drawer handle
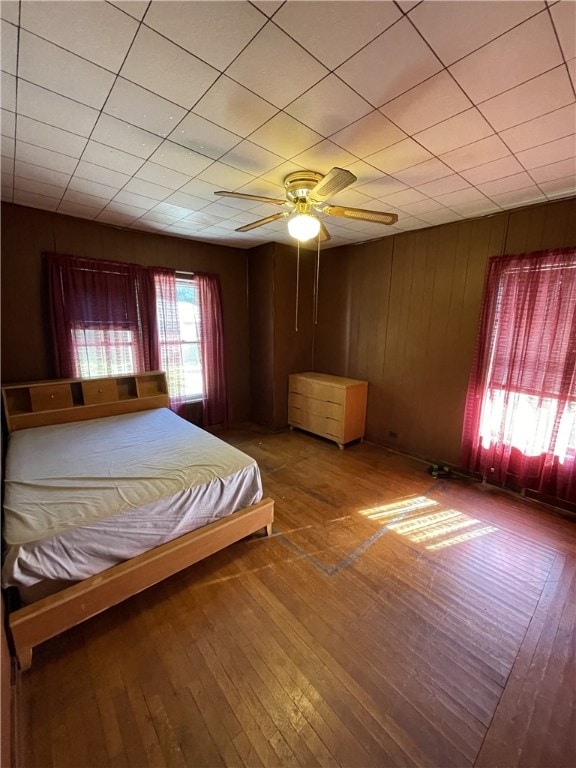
[[100, 391], [52, 397]]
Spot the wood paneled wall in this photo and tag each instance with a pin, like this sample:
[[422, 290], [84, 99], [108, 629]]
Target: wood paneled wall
[[402, 312], [27, 232], [281, 326]]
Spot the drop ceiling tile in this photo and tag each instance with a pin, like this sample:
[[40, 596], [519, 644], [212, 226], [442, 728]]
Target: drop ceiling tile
[[8, 91], [80, 211], [554, 125], [429, 103], [328, 106], [180, 159], [564, 20], [203, 136], [196, 27], [39, 187], [571, 66], [50, 176], [251, 158], [497, 169], [423, 206], [559, 170], [429, 170], [553, 151], [324, 156], [116, 218], [477, 153], [93, 188], [285, 136], [160, 218], [9, 52], [42, 135], [55, 161], [184, 203], [199, 188], [57, 70], [225, 177], [455, 132], [146, 189], [559, 187], [36, 201], [265, 189], [72, 196], [456, 29], [476, 207], [8, 123], [404, 198], [368, 135], [120, 135], [161, 176], [399, 156], [508, 184], [47, 107], [141, 202], [387, 54], [96, 31], [444, 186], [164, 68], [407, 223], [523, 53], [231, 105], [175, 211], [135, 8], [352, 198], [114, 159], [519, 197], [537, 97], [135, 211], [382, 187], [8, 146], [441, 216], [261, 67], [139, 107], [470, 194], [276, 176], [101, 175], [10, 10], [269, 7], [352, 25]]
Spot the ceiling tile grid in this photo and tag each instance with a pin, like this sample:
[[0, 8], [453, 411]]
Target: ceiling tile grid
[[135, 113]]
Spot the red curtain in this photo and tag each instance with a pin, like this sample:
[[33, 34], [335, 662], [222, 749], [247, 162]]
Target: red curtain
[[99, 316], [165, 322], [214, 401], [520, 419]]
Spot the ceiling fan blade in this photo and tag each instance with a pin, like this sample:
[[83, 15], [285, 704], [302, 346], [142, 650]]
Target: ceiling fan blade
[[335, 181], [257, 198], [262, 222], [360, 214]]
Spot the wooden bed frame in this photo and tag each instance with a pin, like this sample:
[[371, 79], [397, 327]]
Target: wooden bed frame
[[55, 402]]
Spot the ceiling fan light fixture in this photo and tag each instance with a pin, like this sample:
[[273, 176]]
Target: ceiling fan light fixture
[[303, 227]]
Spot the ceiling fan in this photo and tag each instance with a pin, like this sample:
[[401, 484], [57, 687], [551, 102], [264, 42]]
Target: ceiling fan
[[306, 195]]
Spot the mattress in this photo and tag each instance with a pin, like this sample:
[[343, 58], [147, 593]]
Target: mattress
[[82, 497]]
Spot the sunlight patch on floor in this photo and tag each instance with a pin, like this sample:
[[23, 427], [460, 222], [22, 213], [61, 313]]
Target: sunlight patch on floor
[[425, 521]]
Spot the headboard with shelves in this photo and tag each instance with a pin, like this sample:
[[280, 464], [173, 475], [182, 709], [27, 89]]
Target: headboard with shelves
[[42, 403]]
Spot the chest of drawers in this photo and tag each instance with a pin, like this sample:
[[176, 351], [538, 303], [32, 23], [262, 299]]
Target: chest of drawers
[[333, 407]]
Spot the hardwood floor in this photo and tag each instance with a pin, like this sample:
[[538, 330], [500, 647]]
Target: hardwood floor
[[392, 620]]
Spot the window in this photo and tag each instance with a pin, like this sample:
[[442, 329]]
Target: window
[[103, 351], [190, 334], [520, 422]]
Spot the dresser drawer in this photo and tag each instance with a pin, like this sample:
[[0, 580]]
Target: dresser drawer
[[94, 392], [318, 390], [317, 407], [47, 398], [320, 425]]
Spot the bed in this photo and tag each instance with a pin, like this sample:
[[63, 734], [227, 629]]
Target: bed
[[107, 492]]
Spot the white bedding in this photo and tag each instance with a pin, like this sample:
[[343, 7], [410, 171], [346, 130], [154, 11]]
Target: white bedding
[[82, 497]]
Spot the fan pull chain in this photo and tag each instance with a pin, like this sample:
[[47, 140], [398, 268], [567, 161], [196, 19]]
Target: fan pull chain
[[317, 283], [297, 284]]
